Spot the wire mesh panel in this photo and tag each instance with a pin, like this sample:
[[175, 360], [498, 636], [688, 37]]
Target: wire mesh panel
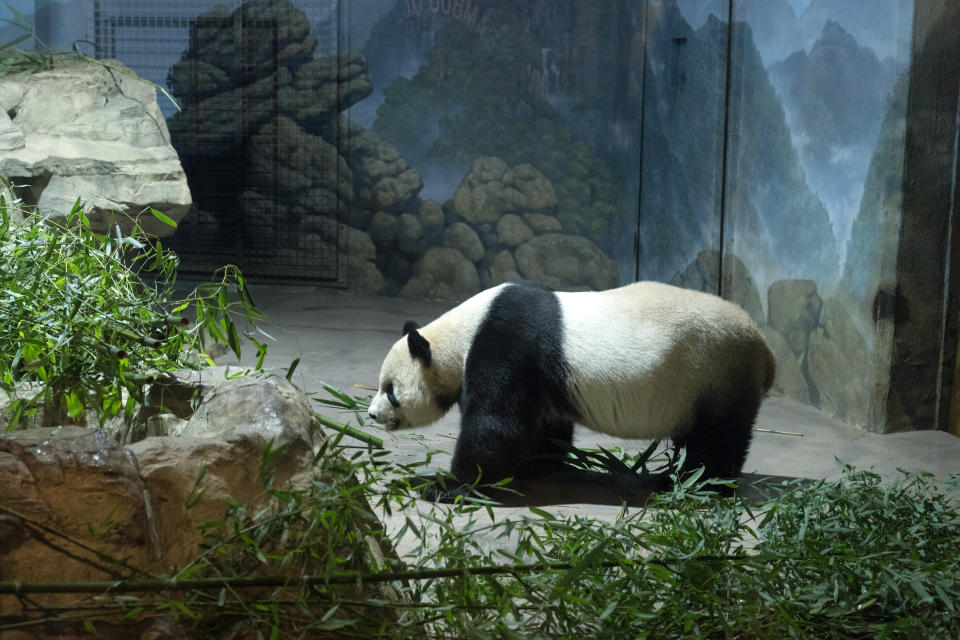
[[268, 182]]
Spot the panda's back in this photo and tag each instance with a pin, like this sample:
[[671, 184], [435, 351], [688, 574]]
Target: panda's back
[[640, 357]]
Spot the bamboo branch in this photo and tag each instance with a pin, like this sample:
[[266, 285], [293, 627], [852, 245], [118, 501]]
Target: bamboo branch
[[114, 352], [330, 423], [244, 582], [354, 577]]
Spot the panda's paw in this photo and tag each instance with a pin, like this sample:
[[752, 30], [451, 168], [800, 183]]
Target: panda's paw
[[435, 493], [448, 490]]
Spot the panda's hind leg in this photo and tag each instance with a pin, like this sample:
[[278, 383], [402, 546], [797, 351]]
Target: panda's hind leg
[[720, 437]]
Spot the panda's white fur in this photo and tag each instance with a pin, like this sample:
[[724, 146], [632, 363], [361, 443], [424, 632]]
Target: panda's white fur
[[646, 360], [640, 355]]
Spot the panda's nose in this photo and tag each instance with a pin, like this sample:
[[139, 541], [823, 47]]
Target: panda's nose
[[372, 415]]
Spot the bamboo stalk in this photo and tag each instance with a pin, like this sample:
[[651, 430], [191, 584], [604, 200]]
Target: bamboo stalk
[[781, 433], [330, 423], [114, 352], [242, 582], [353, 577], [151, 378]]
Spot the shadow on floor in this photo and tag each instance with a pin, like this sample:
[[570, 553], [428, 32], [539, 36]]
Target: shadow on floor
[[575, 486]]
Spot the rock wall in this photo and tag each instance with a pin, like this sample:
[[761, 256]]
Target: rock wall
[[275, 181], [315, 181], [93, 130], [149, 501], [499, 226]]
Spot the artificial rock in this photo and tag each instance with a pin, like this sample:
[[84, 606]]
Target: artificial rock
[[93, 130]]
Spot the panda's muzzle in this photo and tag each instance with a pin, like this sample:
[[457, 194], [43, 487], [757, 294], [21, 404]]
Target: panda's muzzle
[[389, 425]]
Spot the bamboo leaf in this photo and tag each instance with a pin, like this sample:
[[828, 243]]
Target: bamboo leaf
[[590, 560], [164, 218], [74, 404], [291, 369], [233, 338]]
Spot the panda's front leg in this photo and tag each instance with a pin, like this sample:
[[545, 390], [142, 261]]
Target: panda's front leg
[[493, 447], [490, 448]]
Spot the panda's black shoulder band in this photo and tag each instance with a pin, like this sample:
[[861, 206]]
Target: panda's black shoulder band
[[409, 326]]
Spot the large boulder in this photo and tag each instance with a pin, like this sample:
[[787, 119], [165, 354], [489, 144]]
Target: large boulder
[[512, 232], [385, 181], [442, 273], [93, 130], [542, 223], [794, 311], [216, 116], [790, 380], [81, 483], [503, 268], [156, 503], [461, 237], [839, 365], [491, 188], [293, 163], [363, 277], [384, 229], [410, 234], [564, 262], [326, 86], [214, 42], [218, 450], [279, 71], [430, 214]]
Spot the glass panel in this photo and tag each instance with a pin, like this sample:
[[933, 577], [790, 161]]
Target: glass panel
[[683, 122], [815, 168], [521, 118]]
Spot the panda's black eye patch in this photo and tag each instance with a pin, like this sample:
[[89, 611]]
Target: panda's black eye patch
[[391, 396]]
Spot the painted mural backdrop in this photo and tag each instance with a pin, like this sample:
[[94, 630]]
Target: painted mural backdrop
[[485, 96], [788, 153], [815, 141], [431, 148]]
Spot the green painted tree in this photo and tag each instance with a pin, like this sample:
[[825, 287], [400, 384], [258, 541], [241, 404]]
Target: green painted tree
[[476, 95]]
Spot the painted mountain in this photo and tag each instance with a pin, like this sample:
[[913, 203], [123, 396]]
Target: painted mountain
[[880, 25], [835, 97], [872, 247], [777, 225], [777, 31], [531, 81]]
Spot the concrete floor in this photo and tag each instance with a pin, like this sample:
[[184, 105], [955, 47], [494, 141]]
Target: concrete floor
[[341, 340]]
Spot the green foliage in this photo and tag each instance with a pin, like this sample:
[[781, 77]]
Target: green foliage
[[86, 319], [14, 60], [846, 559], [854, 558]]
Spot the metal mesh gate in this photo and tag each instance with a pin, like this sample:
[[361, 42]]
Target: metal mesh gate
[[267, 185]]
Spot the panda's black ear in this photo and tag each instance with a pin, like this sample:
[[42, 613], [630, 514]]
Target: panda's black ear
[[419, 347], [409, 326]]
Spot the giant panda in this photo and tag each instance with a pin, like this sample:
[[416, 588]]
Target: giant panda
[[525, 364]]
